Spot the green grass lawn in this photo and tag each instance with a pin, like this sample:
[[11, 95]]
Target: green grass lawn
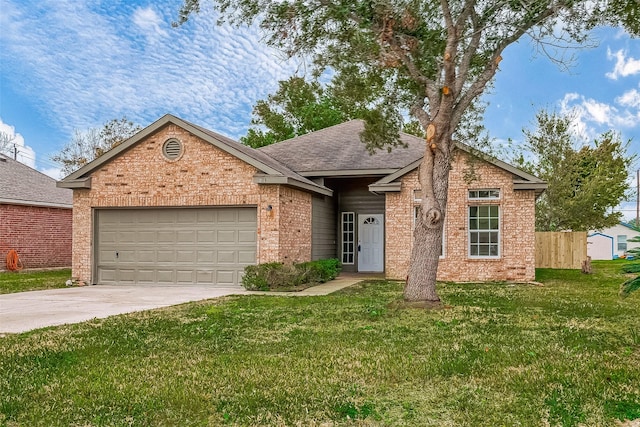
[[33, 281], [566, 353]]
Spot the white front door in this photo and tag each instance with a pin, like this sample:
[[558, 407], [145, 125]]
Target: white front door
[[371, 243]]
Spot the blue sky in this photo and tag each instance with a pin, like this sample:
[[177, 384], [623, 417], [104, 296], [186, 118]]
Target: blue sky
[[75, 64]]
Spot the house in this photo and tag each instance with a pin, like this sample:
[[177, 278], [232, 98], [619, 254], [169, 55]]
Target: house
[[35, 217], [177, 203], [612, 242]]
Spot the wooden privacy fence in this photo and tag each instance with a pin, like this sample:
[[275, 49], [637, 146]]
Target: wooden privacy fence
[[561, 249]]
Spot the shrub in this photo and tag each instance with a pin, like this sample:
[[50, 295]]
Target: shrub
[[279, 276]]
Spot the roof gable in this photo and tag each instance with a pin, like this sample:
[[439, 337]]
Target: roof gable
[[23, 185], [521, 179], [271, 171]]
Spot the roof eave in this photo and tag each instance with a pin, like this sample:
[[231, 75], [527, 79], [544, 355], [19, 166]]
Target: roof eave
[[285, 180], [347, 173], [391, 187], [35, 203], [75, 183]]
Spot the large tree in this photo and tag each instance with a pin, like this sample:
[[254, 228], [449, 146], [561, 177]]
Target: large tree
[[436, 57], [94, 142], [300, 106], [586, 181]]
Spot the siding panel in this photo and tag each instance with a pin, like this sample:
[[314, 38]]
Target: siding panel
[[323, 228]]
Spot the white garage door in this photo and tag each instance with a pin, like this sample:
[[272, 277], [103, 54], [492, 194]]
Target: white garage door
[[174, 245]]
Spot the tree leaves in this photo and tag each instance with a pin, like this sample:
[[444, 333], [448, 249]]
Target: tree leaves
[[585, 183]]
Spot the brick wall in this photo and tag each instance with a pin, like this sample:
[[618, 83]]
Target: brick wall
[[40, 235], [202, 176], [295, 225], [517, 222]]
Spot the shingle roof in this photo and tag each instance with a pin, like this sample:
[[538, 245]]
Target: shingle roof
[[19, 184], [338, 148]]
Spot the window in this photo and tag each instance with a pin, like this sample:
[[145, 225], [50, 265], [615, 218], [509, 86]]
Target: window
[[348, 237], [484, 231], [415, 220], [490, 194], [622, 242]]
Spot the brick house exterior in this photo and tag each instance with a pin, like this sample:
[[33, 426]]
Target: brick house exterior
[[35, 217], [181, 204]]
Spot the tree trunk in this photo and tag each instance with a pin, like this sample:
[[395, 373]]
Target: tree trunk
[[427, 235]]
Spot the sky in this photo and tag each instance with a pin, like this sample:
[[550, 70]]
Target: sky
[[69, 65]]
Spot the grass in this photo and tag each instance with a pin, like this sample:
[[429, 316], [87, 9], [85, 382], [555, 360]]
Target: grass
[[566, 353], [33, 281]]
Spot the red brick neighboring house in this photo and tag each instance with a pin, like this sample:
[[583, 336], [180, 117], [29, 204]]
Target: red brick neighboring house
[[35, 217], [177, 203]]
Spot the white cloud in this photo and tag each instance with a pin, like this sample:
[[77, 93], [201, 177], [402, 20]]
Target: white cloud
[[592, 117], [14, 145], [630, 98], [150, 23], [624, 66], [85, 65]]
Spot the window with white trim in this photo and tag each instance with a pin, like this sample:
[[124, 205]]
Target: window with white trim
[[622, 242], [484, 194], [348, 228], [484, 231]]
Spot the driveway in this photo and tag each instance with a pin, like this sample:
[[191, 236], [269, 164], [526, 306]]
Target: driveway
[[24, 311]]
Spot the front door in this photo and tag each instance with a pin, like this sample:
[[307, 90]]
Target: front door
[[371, 243]]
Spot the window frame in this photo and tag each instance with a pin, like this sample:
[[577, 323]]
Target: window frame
[[621, 239], [352, 234], [484, 231], [491, 194]]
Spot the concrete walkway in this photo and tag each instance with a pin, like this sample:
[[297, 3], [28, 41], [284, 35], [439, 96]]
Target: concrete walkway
[[25, 311]]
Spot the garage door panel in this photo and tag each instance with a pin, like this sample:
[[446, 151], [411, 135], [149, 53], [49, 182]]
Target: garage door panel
[[247, 216], [185, 256], [226, 236], [186, 216], [246, 236], [226, 257], [227, 215], [166, 256], [225, 277], [108, 236], [147, 237], [107, 256], [205, 258], [147, 276], [146, 256], [206, 236], [185, 237], [126, 237], [165, 276], [108, 276], [127, 276], [172, 245], [185, 276], [166, 236], [246, 257], [204, 276]]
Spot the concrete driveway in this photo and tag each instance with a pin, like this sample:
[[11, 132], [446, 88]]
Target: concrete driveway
[[24, 311]]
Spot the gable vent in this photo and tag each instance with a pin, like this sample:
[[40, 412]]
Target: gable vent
[[172, 149]]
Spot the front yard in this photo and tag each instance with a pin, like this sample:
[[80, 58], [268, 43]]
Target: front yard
[[33, 281], [564, 353]]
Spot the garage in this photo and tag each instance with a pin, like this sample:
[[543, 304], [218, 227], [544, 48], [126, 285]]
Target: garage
[[174, 245]]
